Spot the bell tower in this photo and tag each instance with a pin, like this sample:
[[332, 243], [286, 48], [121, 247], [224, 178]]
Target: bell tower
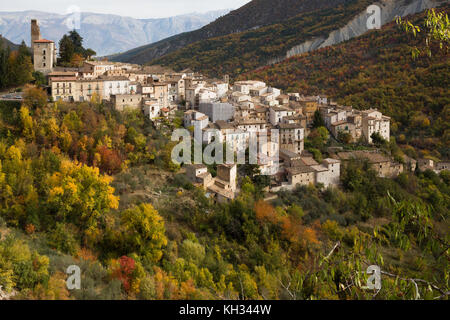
[[35, 33]]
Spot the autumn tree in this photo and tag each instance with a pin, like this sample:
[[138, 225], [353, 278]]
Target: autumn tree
[[437, 29], [81, 195], [22, 67], [143, 232], [34, 97]]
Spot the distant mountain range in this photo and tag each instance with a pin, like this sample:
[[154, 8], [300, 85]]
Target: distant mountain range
[[105, 33]]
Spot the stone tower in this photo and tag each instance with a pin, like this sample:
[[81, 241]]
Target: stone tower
[[44, 51], [35, 33], [228, 173]]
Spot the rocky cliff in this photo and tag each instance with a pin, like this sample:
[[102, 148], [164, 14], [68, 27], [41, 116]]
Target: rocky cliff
[[389, 10]]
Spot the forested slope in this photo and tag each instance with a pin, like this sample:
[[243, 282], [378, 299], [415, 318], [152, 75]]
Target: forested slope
[[255, 14], [377, 70]]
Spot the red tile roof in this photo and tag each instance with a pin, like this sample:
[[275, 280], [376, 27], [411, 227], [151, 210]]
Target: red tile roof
[[43, 41]]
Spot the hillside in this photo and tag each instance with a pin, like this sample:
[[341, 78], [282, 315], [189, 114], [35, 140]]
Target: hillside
[[4, 43], [377, 70], [147, 233], [255, 14], [237, 53], [105, 33]]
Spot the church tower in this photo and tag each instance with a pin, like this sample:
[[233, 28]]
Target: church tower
[[44, 51], [35, 33]]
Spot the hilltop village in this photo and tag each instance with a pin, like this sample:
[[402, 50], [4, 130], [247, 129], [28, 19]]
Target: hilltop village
[[236, 110]]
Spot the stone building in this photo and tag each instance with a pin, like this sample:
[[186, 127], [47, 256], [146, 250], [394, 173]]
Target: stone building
[[199, 176], [292, 137], [300, 175], [115, 85], [218, 111], [44, 51], [122, 101], [374, 121], [225, 184], [64, 88], [384, 166]]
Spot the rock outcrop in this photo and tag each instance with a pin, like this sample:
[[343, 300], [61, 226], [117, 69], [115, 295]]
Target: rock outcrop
[[389, 10]]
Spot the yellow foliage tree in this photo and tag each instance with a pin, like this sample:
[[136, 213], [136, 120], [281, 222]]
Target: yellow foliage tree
[[81, 195], [143, 232], [27, 123]]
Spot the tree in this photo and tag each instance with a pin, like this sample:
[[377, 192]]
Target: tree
[[377, 139], [143, 232], [80, 195], [345, 137], [437, 26], [4, 66], [77, 42], [27, 123], [89, 53], [66, 50], [77, 60], [318, 120], [39, 78], [110, 160], [72, 52], [34, 97], [22, 67]]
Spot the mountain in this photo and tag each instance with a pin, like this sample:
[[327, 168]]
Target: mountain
[[253, 15], [105, 33], [377, 70], [6, 43], [242, 52]]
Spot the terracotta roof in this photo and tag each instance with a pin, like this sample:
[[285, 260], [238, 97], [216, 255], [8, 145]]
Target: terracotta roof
[[290, 126], [221, 124], [197, 166], [308, 161], [299, 170], [329, 160], [61, 73], [372, 157], [114, 78], [289, 154], [54, 79], [319, 168], [43, 41]]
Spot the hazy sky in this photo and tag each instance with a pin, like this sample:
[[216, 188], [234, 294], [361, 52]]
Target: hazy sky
[[132, 8]]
